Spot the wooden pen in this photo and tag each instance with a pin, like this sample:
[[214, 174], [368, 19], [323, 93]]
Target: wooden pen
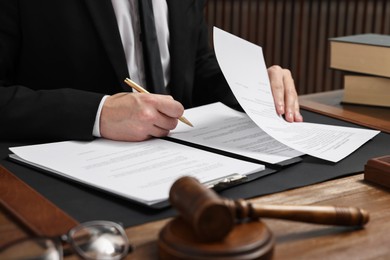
[[142, 90]]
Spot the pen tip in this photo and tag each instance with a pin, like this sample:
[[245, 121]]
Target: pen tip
[[185, 121]]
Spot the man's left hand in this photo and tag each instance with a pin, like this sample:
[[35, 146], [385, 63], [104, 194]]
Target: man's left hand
[[284, 93]]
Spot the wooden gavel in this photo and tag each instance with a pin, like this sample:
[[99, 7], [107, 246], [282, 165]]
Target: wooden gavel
[[212, 217]]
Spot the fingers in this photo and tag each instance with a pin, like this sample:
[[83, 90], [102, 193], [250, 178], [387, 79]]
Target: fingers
[[284, 93], [169, 107], [292, 113], [159, 110], [275, 74], [138, 116]]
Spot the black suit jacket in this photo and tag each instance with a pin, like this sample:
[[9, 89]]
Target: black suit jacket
[[58, 58]]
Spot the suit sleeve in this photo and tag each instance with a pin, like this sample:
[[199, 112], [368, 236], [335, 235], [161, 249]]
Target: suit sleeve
[[27, 114], [210, 84]]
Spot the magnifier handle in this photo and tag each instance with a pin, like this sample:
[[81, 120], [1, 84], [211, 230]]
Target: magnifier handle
[[328, 215]]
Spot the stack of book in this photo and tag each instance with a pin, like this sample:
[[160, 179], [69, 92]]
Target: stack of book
[[365, 58]]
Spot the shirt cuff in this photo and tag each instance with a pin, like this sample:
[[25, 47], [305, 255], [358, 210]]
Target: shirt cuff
[[96, 125]]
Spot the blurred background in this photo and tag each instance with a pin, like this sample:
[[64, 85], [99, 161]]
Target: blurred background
[[295, 33]]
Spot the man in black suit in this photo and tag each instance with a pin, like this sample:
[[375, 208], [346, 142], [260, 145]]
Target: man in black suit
[[63, 62]]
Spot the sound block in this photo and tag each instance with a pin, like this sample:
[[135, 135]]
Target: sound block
[[248, 240], [377, 170]]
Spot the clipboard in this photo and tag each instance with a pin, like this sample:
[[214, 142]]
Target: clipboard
[[217, 184]]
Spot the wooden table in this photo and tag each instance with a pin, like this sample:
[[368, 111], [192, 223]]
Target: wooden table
[[307, 241], [329, 103], [296, 240]]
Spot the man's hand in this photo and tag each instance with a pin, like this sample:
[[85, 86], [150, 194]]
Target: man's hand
[[284, 93], [138, 116]]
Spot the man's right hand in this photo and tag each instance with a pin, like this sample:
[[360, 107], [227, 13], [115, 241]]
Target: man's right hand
[[138, 116]]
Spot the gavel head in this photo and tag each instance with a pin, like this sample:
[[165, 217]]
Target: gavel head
[[209, 215]]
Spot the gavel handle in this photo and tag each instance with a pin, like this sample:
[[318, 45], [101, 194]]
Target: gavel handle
[[328, 215]]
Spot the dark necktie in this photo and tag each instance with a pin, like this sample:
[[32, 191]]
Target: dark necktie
[[153, 67]]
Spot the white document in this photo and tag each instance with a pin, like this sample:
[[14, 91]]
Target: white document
[[243, 66], [222, 128], [141, 171]]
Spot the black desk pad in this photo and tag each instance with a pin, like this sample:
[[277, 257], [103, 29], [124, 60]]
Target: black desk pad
[[86, 204]]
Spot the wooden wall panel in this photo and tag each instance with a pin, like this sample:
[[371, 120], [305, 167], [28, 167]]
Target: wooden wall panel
[[294, 34]]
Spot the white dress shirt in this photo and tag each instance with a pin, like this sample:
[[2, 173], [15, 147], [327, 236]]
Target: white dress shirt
[[126, 12]]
